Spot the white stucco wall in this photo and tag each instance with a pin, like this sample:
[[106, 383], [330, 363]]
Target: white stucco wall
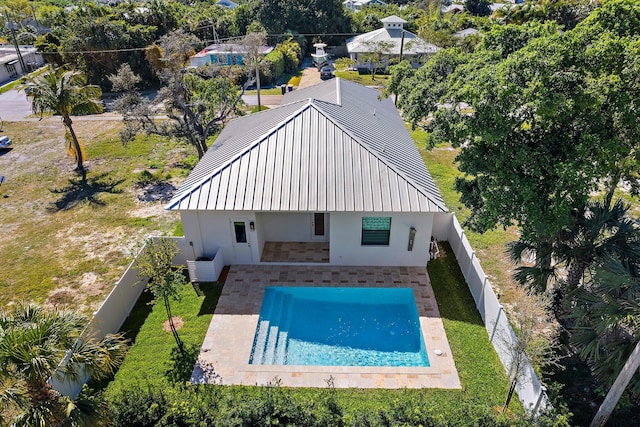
[[286, 226], [290, 226], [346, 235], [212, 231]]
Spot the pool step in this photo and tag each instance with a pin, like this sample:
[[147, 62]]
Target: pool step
[[273, 299], [278, 313], [283, 332], [271, 328]]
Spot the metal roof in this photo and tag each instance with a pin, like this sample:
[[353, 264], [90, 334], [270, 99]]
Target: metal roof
[[346, 152], [393, 18], [412, 44]]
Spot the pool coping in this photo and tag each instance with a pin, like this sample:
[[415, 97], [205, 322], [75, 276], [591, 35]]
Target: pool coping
[[226, 349]]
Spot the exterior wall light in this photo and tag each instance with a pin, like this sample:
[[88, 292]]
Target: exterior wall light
[[412, 237]]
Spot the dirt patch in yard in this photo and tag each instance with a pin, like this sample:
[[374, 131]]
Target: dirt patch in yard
[[72, 257], [177, 322]]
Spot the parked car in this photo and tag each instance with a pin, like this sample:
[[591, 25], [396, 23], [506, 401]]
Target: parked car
[[326, 72], [5, 142]]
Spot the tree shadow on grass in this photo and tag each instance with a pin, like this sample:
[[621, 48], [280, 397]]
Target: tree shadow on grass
[[182, 363], [455, 301], [80, 191], [138, 316]]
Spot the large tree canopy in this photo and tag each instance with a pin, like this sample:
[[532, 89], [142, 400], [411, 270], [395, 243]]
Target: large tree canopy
[[308, 17], [545, 125], [546, 122]]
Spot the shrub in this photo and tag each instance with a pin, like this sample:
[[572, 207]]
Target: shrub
[[275, 61], [185, 404], [292, 54]]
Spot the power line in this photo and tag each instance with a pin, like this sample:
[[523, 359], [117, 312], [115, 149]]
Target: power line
[[137, 49]]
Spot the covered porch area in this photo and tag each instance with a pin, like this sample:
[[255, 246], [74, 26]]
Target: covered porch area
[[295, 252], [293, 237]]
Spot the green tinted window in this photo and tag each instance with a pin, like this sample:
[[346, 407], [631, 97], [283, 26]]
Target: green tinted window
[[376, 230]]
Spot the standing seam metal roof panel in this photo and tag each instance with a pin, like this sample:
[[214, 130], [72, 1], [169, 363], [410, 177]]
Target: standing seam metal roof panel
[[350, 155]]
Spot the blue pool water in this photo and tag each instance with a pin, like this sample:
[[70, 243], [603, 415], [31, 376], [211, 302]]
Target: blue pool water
[[338, 327]]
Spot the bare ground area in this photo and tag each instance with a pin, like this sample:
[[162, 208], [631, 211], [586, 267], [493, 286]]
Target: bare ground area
[[64, 241]]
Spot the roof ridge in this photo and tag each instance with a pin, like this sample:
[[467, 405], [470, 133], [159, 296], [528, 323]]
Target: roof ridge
[[375, 153], [249, 147]]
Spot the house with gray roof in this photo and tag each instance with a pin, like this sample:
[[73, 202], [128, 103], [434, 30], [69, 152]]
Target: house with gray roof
[[11, 67], [390, 41], [331, 176], [356, 5]]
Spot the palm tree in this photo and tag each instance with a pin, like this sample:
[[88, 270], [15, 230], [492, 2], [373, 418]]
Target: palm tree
[[37, 345], [606, 312], [598, 232], [593, 233], [66, 93]]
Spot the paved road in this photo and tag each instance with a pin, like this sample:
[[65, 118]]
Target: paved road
[[14, 106]]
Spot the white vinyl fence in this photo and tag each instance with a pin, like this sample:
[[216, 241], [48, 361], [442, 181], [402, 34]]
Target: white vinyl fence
[[114, 311], [117, 306], [530, 391]]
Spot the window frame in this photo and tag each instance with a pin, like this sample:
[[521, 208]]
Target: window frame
[[375, 236]]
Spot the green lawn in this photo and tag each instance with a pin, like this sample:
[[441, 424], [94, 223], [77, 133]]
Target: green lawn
[[151, 362], [153, 357], [71, 241], [490, 246], [363, 79]]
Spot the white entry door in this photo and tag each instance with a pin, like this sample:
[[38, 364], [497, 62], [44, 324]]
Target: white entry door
[[241, 241]]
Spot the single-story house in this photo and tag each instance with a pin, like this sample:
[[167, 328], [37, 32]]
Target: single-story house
[[356, 5], [227, 3], [467, 32], [10, 65], [414, 49], [332, 169], [452, 8], [224, 54]]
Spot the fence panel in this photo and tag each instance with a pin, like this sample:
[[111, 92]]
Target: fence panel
[[529, 388], [114, 311]]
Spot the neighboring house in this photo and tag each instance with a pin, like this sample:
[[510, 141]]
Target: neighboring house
[[223, 54], [356, 5], [10, 67], [467, 32], [227, 3], [414, 49], [452, 8], [333, 168], [497, 6]]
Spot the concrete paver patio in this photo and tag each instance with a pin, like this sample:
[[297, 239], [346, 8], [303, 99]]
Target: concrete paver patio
[[227, 345]]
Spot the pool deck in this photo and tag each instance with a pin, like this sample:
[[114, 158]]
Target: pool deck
[[227, 345]]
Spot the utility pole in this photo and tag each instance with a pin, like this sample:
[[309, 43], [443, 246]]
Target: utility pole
[[616, 390], [258, 83], [401, 45], [15, 43]]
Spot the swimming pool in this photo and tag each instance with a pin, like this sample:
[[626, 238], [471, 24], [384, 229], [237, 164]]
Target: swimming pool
[[338, 327]]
